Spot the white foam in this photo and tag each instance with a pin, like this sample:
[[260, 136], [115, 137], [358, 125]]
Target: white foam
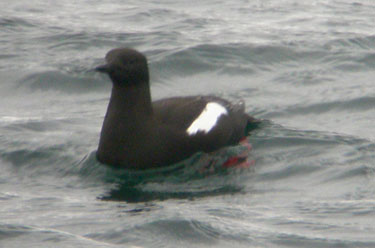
[[207, 119]]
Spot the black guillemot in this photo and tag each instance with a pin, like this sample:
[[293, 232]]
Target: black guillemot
[[140, 134]]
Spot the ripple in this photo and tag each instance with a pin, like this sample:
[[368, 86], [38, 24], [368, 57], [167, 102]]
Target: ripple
[[365, 43], [357, 105], [62, 81], [13, 24], [54, 237]]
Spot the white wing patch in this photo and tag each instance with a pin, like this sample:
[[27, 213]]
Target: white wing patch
[[207, 119]]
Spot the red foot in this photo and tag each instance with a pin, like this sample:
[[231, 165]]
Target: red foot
[[240, 161], [245, 165], [231, 162]]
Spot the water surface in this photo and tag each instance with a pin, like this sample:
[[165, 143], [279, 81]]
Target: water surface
[[305, 67]]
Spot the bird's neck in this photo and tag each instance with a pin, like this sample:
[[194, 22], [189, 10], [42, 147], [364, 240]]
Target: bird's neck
[[131, 102], [128, 120], [129, 115]]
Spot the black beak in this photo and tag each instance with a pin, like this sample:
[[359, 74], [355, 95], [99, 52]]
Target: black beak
[[102, 68]]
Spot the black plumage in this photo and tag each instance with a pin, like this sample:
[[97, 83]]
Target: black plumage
[[140, 134]]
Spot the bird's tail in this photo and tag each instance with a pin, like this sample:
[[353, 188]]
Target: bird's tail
[[252, 123]]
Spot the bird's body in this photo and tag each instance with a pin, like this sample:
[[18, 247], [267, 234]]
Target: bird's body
[[140, 134]]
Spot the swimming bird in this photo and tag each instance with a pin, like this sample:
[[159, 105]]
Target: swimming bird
[[140, 134]]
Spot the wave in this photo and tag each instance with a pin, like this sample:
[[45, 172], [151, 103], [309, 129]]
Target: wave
[[232, 58], [247, 59], [287, 61], [34, 234], [280, 155], [364, 43], [13, 24], [359, 104], [65, 158], [63, 81], [191, 178], [310, 159]]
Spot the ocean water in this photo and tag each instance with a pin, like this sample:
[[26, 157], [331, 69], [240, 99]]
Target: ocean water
[[305, 67]]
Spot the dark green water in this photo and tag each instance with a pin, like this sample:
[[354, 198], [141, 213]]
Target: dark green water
[[306, 67]]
